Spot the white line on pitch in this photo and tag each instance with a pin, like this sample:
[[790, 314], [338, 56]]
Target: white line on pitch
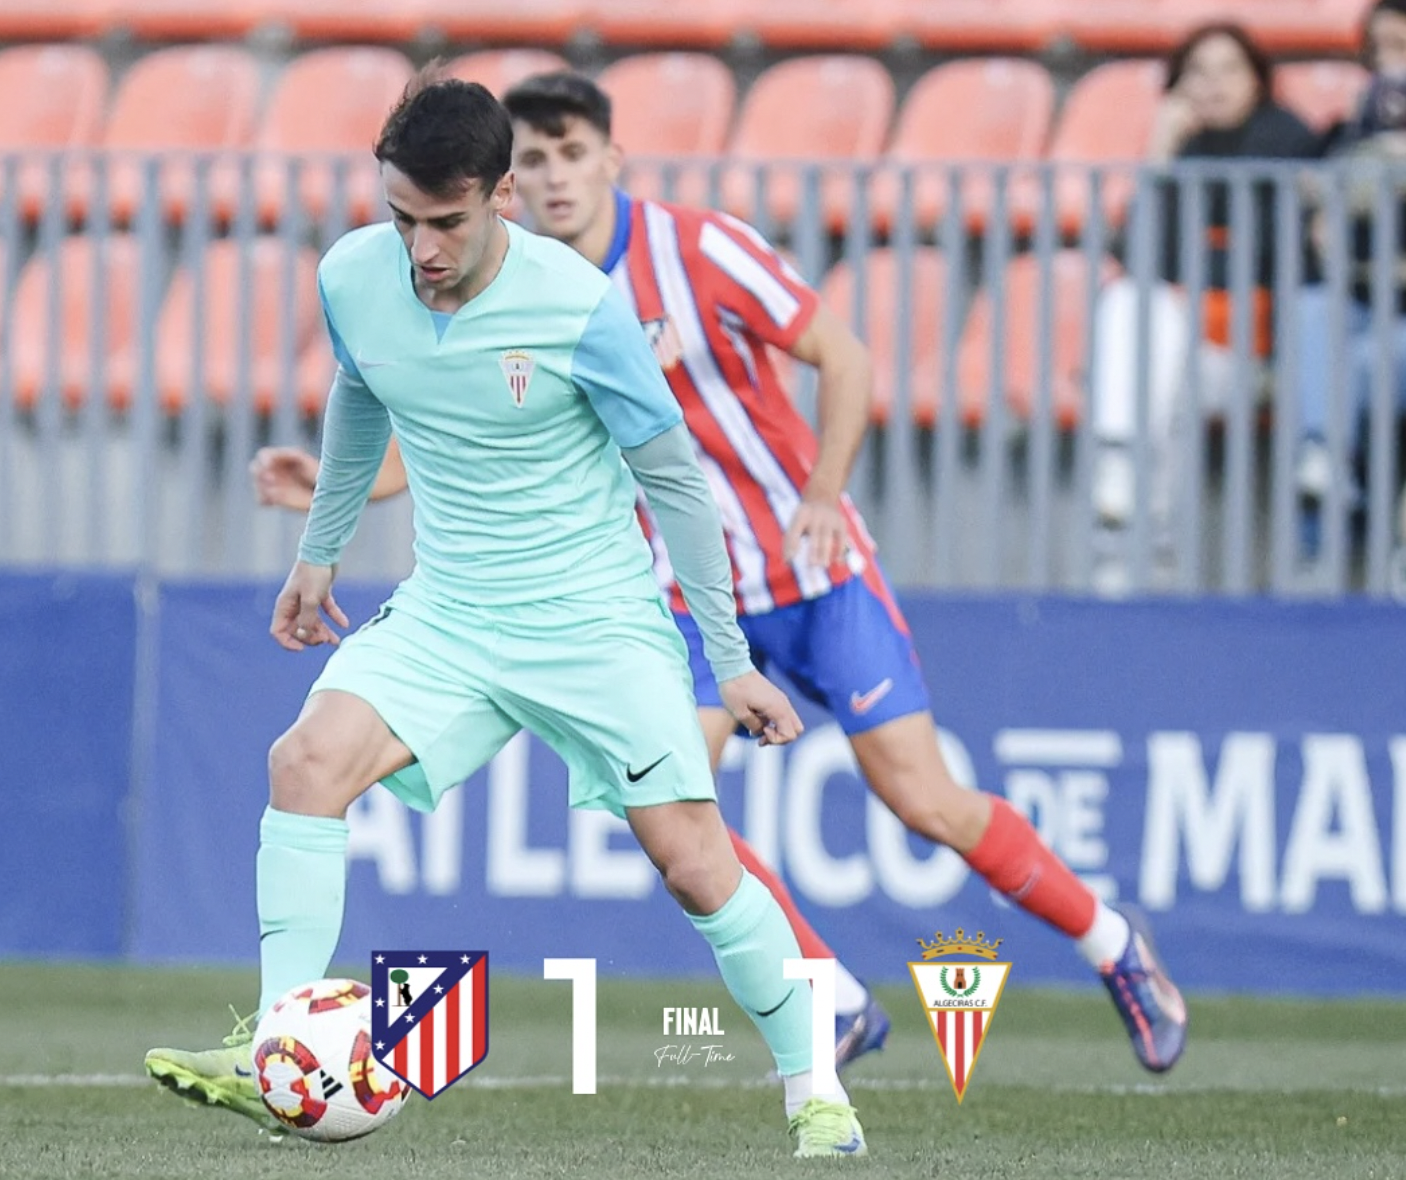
[[900, 1085]]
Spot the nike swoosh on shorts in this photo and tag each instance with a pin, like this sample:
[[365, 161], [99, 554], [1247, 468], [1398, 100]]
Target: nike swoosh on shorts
[[860, 703]]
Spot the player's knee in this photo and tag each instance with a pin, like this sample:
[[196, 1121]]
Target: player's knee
[[301, 773], [945, 814], [923, 813], [700, 884], [927, 802]]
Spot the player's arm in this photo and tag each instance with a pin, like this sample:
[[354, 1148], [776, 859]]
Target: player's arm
[[285, 477], [356, 430], [616, 369], [740, 272], [846, 382]]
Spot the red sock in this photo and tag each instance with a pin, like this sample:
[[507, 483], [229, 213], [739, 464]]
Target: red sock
[[812, 945], [1014, 861]]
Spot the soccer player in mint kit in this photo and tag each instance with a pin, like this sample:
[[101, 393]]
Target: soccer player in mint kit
[[716, 298], [527, 404]]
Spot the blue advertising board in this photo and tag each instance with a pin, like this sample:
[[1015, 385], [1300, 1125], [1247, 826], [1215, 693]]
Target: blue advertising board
[[1239, 769], [67, 673]]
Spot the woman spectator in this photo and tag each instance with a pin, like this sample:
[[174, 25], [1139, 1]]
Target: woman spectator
[[1375, 132], [1218, 105]]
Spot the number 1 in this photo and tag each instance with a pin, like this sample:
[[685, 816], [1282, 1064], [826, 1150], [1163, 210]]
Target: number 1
[[582, 974], [821, 973]]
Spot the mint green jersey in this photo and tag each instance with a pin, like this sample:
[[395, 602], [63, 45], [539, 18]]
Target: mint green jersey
[[511, 415]]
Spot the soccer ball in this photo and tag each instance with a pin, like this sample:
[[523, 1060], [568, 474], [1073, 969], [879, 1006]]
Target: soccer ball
[[315, 1068]]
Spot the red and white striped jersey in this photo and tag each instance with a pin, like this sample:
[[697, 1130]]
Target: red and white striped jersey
[[712, 295]]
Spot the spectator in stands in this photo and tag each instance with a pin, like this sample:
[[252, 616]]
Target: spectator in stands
[[1218, 105], [1375, 132]]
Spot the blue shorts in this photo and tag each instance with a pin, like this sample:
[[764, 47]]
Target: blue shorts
[[849, 651]]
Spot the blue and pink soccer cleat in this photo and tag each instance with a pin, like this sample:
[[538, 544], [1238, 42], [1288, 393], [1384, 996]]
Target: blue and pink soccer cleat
[[1148, 1001], [860, 1033]]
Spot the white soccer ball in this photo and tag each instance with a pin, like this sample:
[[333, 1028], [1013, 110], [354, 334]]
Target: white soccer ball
[[315, 1068]]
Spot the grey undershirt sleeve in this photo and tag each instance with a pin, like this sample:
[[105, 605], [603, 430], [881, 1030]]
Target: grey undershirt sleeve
[[355, 433], [678, 493]]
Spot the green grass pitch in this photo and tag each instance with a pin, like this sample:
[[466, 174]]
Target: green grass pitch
[[1271, 1090]]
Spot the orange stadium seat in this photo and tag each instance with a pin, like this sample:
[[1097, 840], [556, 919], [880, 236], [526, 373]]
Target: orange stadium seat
[[926, 296], [327, 103], [1068, 294], [55, 19], [182, 20], [848, 104], [819, 24], [84, 267], [230, 271], [650, 22], [51, 97], [218, 87], [325, 20], [1106, 120], [1320, 92], [678, 105], [1124, 26], [1290, 26], [316, 368], [349, 20], [499, 70], [1005, 105], [974, 25], [529, 22]]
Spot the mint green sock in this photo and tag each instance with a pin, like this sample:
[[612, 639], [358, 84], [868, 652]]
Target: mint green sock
[[750, 938], [302, 885]]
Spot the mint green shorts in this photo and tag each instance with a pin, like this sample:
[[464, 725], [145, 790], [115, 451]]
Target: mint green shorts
[[602, 678]]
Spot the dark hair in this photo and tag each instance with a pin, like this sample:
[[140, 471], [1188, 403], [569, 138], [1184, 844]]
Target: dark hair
[[545, 101], [444, 134], [1260, 64], [1397, 7]]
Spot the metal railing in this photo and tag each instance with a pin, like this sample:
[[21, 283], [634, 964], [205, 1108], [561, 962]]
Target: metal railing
[[990, 294]]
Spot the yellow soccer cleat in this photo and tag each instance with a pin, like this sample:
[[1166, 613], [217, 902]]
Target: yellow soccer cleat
[[824, 1128], [217, 1077]]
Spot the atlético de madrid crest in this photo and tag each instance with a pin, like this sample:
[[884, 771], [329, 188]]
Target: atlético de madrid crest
[[664, 338], [429, 1015], [518, 367]]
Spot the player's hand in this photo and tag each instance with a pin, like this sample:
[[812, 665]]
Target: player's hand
[[820, 528], [284, 477], [763, 708], [297, 615]]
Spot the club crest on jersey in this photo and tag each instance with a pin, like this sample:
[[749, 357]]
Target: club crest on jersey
[[518, 367], [429, 1015], [664, 338], [960, 999]]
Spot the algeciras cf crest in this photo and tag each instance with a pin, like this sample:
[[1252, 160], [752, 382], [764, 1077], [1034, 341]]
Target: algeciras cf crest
[[959, 998], [518, 367]]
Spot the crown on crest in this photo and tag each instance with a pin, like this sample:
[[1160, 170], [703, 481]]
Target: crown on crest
[[959, 944]]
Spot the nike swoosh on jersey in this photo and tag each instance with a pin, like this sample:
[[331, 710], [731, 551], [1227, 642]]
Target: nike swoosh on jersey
[[635, 775], [861, 703], [363, 363]]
